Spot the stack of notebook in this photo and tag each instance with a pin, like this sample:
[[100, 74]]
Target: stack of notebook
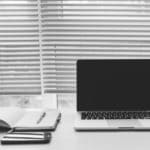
[[27, 125]]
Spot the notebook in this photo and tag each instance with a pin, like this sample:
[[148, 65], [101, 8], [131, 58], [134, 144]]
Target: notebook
[[21, 119]]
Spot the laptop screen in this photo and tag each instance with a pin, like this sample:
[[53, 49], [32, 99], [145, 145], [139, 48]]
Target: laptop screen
[[113, 85]]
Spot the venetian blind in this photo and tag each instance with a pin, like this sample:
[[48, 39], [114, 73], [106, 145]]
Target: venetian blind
[[90, 29], [19, 47], [40, 40]]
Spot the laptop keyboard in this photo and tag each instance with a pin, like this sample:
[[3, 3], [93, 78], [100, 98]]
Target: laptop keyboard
[[115, 115]]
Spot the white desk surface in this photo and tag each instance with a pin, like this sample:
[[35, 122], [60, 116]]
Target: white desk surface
[[65, 138]]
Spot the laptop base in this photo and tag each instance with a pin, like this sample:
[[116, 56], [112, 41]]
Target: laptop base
[[111, 125]]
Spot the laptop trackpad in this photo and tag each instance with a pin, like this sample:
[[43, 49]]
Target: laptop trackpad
[[124, 123]]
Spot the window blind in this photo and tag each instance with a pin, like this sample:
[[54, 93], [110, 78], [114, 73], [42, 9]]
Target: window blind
[[90, 29], [19, 47], [40, 40]]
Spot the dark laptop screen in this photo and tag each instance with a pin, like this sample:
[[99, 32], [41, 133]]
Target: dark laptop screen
[[113, 85]]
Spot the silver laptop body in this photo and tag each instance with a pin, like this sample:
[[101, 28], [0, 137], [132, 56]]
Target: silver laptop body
[[113, 95]]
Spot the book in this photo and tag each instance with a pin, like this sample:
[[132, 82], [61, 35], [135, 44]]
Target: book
[[21, 119]]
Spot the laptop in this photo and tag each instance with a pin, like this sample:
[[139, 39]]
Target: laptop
[[113, 94]]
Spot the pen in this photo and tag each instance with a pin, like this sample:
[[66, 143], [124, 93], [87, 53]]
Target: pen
[[41, 117]]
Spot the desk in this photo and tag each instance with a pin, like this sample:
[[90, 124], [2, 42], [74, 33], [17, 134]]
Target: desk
[[65, 138]]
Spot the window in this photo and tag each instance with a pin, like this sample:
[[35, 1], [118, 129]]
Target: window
[[85, 29], [19, 47], [40, 40]]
